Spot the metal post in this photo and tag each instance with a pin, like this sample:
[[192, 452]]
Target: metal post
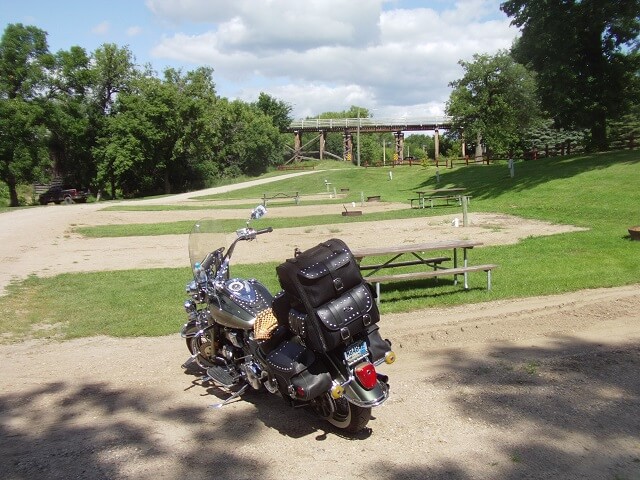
[[465, 218]]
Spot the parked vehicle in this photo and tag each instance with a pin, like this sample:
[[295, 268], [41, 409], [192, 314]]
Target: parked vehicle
[[60, 195], [316, 343]]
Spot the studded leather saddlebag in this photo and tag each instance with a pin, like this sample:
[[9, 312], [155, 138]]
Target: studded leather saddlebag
[[329, 300], [321, 273]]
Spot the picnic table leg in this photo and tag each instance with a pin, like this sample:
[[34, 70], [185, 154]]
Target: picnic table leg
[[455, 265], [466, 283]]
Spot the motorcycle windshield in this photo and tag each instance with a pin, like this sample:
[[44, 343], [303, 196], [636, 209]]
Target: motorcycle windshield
[[207, 235], [210, 234]]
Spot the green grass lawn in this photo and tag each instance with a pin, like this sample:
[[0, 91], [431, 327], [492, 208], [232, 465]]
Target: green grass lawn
[[599, 192]]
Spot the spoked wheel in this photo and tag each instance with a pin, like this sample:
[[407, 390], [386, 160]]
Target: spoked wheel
[[201, 346], [342, 414]]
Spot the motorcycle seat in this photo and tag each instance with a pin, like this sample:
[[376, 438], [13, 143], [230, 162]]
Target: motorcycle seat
[[290, 358], [278, 335]]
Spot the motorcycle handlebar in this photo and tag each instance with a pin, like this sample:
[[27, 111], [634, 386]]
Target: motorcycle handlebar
[[264, 230]]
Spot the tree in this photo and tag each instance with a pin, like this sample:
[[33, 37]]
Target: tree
[[69, 112], [157, 132], [249, 142], [278, 110], [112, 73], [24, 58], [494, 102], [585, 53]]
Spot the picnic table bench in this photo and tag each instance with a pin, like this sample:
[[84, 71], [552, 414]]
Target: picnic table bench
[[271, 196], [435, 270]]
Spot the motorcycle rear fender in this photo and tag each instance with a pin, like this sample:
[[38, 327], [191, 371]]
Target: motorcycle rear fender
[[357, 395], [353, 391]]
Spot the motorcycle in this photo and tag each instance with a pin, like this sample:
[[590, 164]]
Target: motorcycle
[[340, 385]]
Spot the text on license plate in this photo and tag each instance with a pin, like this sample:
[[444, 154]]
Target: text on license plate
[[356, 351]]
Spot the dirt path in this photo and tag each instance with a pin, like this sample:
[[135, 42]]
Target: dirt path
[[542, 387]]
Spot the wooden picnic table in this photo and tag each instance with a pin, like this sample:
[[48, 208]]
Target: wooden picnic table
[[417, 253], [437, 193]]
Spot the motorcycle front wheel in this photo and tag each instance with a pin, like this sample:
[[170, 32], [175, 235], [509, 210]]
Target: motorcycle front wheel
[[345, 415], [201, 346]]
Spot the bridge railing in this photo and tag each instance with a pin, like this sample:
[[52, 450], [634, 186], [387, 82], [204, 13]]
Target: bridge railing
[[332, 123]]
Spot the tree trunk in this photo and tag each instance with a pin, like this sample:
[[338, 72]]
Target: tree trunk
[[478, 155], [13, 193], [599, 141]]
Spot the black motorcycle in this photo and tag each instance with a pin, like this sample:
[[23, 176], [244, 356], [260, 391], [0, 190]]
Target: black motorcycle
[[316, 344]]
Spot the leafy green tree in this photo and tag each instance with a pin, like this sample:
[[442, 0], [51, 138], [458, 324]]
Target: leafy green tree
[[585, 53], [113, 71], [69, 113], [24, 59], [494, 102], [279, 111], [150, 133], [249, 141]]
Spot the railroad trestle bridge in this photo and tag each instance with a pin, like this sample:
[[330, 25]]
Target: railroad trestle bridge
[[350, 126]]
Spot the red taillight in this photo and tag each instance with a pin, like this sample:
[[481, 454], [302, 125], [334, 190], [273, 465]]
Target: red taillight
[[366, 375]]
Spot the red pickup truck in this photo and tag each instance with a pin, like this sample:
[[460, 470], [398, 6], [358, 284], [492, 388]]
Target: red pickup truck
[[59, 195]]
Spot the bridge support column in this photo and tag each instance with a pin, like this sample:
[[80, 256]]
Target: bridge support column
[[399, 153], [323, 142], [348, 147], [297, 145]]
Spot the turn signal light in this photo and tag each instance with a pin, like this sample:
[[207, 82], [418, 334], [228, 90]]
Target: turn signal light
[[366, 375], [337, 391], [390, 357]]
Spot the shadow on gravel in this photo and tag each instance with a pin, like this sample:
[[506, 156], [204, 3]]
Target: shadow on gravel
[[577, 405], [92, 431], [95, 431]]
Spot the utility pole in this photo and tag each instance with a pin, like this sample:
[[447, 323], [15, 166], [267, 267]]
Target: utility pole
[[358, 137]]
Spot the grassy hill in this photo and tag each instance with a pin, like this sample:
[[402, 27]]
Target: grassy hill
[[599, 192]]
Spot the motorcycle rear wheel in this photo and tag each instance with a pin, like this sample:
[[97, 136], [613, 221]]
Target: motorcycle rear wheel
[[345, 415]]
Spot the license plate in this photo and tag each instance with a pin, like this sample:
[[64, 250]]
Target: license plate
[[355, 352]]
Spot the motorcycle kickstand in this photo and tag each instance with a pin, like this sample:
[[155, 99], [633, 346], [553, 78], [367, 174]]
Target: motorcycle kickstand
[[231, 398]]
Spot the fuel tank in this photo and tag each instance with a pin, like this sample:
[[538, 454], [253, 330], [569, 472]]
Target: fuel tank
[[240, 302]]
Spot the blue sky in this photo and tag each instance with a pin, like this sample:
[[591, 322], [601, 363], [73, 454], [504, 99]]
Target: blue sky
[[394, 57]]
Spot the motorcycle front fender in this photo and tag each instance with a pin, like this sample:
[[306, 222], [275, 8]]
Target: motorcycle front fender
[[192, 329], [184, 331]]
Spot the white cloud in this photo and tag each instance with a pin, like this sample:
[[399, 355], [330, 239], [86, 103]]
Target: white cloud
[[134, 31], [101, 29], [324, 55]]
